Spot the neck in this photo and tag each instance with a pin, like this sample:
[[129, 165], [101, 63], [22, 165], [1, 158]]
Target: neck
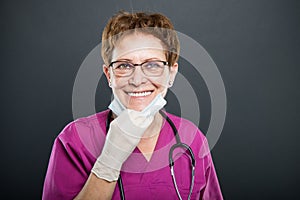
[[154, 129], [148, 141]]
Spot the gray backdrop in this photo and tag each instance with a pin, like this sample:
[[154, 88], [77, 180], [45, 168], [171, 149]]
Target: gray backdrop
[[254, 43]]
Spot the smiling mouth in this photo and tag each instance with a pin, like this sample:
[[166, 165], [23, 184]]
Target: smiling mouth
[[139, 94]]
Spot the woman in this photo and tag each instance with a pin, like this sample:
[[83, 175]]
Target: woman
[[124, 151]]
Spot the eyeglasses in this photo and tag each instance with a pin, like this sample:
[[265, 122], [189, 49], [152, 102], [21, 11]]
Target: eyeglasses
[[149, 68]]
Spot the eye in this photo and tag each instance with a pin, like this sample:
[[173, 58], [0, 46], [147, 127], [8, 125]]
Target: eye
[[153, 65], [123, 66]]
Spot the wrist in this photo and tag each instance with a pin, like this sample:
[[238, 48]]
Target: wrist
[[105, 172]]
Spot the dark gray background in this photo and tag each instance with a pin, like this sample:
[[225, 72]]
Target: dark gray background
[[254, 43]]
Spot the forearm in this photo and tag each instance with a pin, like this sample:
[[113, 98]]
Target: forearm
[[96, 188]]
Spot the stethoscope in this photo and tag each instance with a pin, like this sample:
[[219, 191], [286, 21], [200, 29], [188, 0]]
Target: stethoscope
[[178, 144]]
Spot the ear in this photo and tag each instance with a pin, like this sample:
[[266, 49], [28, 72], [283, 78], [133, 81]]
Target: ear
[[173, 72], [106, 71]]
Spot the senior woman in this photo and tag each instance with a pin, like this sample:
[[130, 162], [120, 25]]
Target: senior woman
[[134, 150]]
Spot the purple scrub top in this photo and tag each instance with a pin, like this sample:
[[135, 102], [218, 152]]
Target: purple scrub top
[[77, 147]]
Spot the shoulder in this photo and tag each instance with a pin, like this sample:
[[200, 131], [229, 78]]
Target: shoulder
[[84, 127], [184, 125], [189, 133]]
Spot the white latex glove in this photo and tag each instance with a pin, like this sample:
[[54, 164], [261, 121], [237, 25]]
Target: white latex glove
[[123, 136]]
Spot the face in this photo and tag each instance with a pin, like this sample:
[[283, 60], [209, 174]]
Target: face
[[138, 90]]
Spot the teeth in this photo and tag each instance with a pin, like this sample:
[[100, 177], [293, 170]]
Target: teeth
[[139, 94]]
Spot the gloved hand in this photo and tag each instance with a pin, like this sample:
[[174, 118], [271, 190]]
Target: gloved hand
[[123, 136]]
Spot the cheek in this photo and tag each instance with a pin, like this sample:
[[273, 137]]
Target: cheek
[[160, 82], [118, 83]]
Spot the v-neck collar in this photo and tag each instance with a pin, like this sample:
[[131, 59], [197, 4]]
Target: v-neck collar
[[162, 140]]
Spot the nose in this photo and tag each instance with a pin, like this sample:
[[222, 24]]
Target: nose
[[138, 77]]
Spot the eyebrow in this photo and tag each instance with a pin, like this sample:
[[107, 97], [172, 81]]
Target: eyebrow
[[123, 59], [129, 60]]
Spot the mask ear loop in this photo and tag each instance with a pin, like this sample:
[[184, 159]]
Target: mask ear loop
[[171, 163]]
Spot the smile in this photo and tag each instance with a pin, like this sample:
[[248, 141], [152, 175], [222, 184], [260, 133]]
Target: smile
[[139, 94]]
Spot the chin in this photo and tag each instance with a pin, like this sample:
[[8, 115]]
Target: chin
[[139, 104], [137, 108]]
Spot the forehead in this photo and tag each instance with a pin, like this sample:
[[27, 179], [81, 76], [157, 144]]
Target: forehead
[[138, 45]]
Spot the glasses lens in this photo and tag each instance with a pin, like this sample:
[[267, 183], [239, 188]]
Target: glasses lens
[[153, 68], [122, 68]]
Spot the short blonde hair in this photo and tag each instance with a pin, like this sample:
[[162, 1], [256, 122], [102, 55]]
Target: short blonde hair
[[155, 24]]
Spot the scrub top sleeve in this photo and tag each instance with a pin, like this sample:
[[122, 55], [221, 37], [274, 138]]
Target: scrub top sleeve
[[212, 189], [69, 167]]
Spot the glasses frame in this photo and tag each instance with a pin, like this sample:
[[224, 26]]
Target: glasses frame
[[164, 62]]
